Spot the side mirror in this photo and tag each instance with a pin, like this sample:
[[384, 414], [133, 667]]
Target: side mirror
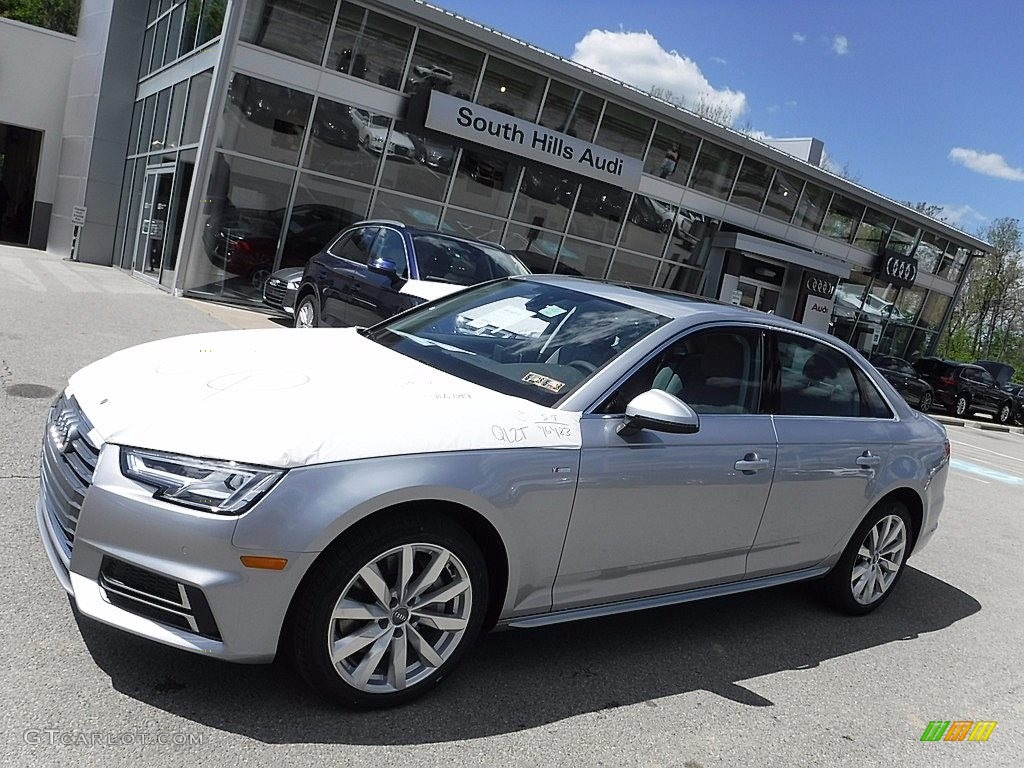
[[659, 411], [384, 267]]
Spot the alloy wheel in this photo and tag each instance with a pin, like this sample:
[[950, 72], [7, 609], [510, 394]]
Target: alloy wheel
[[961, 406], [878, 560], [400, 618], [926, 403], [305, 316], [1004, 414]]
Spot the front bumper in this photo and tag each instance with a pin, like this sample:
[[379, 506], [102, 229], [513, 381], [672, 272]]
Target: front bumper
[[280, 296], [225, 609]]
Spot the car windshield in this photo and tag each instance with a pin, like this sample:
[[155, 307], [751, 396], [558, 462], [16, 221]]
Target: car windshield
[[522, 338], [450, 260]]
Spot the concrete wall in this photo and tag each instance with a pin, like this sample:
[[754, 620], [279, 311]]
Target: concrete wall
[[100, 97], [35, 67]]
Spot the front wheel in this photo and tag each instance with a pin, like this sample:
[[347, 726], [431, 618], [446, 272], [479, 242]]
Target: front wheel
[[872, 562], [390, 611], [1005, 411], [926, 403], [307, 314], [960, 406]]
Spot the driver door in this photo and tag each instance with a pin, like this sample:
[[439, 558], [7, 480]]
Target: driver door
[[657, 512]]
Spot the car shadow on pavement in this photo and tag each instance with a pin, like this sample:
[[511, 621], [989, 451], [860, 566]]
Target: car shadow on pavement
[[527, 678]]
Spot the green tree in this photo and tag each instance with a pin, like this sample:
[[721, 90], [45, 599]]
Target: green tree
[[58, 15]]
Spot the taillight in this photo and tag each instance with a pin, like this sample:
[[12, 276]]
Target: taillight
[[947, 449], [948, 381]]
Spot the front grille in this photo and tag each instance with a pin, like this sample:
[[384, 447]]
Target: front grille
[[66, 469], [274, 293], [157, 597]]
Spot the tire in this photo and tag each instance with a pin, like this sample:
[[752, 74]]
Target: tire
[[307, 312], [1004, 414], [858, 596], [960, 407], [926, 403], [427, 641]]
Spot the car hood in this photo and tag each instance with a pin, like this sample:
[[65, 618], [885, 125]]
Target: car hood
[[287, 398], [428, 290]]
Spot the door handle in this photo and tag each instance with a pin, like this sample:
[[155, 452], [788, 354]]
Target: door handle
[[868, 460], [750, 464]]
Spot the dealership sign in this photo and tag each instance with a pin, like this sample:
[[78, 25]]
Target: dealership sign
[[897, 268], [481, 125]]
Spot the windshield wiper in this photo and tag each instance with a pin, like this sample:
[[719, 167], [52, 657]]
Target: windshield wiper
[[431, 343]]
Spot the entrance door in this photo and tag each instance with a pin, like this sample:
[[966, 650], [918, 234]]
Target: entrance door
[[156, 202], [758, 295]]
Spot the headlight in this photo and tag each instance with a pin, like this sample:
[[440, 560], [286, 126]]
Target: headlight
[[293, 284], [220, 487]]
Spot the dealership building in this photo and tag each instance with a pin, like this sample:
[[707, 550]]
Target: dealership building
[[203, 144]]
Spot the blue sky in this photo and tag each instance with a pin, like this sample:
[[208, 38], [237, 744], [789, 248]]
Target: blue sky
[[921, 101]]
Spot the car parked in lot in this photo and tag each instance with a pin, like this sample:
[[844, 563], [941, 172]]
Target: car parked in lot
[[379, 268], [964, 389], [282, 288], [904, 378], [1016, 391], [525, 452]]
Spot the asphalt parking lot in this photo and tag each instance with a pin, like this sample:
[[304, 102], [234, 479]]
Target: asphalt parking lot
[[772, 678]]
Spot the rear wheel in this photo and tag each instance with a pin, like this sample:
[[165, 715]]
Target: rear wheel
[[873, 561], [926, 403], [960, 406], [389, 612]]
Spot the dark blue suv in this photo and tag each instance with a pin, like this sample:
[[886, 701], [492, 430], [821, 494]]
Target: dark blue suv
[[378, 268]]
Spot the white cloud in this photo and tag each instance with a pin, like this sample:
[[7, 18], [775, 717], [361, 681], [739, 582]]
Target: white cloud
[[719, 60], [987, 163], [773, 108], [791, 103], [799, 38], [840, 45], [961, 216], [637, 58]]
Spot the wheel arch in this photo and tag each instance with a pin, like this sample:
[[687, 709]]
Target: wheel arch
[[476, 525], [911, 499]]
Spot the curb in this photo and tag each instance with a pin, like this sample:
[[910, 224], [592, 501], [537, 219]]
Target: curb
[[981, 425]]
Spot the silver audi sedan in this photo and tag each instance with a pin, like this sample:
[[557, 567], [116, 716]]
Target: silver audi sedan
[[529, 451]]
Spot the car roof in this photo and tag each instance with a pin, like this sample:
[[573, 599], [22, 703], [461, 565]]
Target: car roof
[[421, 231]]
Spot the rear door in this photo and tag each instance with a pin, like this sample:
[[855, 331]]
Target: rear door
[[833, 428]]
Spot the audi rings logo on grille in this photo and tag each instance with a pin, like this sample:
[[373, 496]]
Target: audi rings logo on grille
[[64, 431], [820, 286]]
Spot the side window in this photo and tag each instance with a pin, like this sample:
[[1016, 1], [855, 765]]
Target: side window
[[390, 245], [713, 371], [905, 369], [357, 247], [818, 380], [968, 373], [986, 378], [336, 248]]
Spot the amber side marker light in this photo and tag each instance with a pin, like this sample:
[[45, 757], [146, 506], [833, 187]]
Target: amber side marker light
[[266, 563]]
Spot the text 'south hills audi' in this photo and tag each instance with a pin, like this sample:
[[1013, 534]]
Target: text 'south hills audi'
[[528, 451]]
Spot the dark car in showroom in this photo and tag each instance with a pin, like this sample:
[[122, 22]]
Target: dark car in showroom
[[378, 268], [901, 374], [965, 389]]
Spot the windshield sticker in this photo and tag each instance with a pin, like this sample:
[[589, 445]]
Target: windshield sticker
[[552, 385], [552, 310]]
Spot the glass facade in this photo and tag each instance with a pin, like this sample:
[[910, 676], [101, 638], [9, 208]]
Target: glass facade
[[288, 167]]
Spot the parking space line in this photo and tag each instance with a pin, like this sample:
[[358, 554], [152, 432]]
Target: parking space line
[[974, 447], [986, 472]]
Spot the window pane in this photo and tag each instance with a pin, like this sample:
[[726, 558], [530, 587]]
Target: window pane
[[426, 171], [444, 65], [908, 304], [188, 35], [485, 182], [147, 52], [133, 134], [842, 218], [849, 298], [903, 238], [264, 119], [673, 277], [624, 130], [671, 153], [815, 380], [633, 268], [211, 21], [123, 215], [752, 184], [174, 35], [715, 170], [648, 225], [370, 45], [873, 231], [536, 248], [570, 111], [919, 344], [510, 89], [408, 210], [239, 226], [929, 251], [334, 145], [195, 110], [159, 43], [691, 238], [177, 112], [545, 196], [599, 211], [322, 209], [294, 27], [176, 219], [160, 121], [587, 259], [472, 225], [783, 195], [810, 211]]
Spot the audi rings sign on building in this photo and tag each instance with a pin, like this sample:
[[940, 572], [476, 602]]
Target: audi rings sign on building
[[897, 268], [820, 285]]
